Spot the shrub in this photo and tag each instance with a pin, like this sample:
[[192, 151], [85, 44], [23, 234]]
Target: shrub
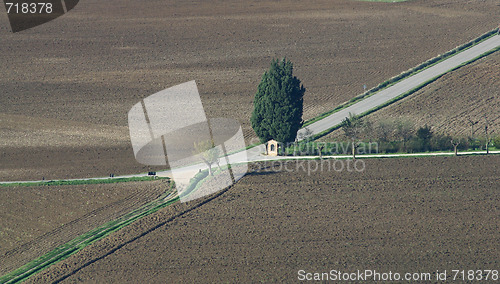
[[390, 147], [496, 142], [476, 143], [424, 135], [441, 143], [415, 145], [464, 144]]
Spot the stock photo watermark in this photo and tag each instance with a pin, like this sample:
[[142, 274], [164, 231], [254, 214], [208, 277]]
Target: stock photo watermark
[[170, 129], [314, 166], [312, 157], [26, 14], [376, 275]]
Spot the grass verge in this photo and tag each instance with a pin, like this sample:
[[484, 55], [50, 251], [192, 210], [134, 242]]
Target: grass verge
[[82, 181], [64, 251], [194, 183], [419, 68], [387, 156], [323, 133]]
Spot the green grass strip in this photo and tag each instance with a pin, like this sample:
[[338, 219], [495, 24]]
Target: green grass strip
[[194, 183], [404, 95], [415, 70], [82, 181], [77, 244], [64, 251]]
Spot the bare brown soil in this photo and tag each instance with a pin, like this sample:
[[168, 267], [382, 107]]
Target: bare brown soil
[[35, 220], [400, 215], [69, 84], [467, 93]]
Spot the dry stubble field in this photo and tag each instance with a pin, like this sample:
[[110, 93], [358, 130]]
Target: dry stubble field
[[66, 86], [400, 215]]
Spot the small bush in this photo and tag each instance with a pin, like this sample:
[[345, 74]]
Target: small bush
[[464, 144], [416, 145], [476, 144], [390, 147], [496, 142], [441, 143]]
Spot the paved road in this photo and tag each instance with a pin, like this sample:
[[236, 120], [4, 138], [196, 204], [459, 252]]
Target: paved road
[[403, 86], [255, 154]]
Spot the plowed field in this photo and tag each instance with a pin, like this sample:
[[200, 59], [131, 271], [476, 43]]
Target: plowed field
[[401, 215], [66, 86], [35, 220], [448, 104]]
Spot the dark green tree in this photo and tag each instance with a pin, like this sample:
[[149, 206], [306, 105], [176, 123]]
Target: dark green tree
[[424, 135], [278, 104]]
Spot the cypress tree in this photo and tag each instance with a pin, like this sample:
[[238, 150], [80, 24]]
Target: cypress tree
[[278, 104]]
